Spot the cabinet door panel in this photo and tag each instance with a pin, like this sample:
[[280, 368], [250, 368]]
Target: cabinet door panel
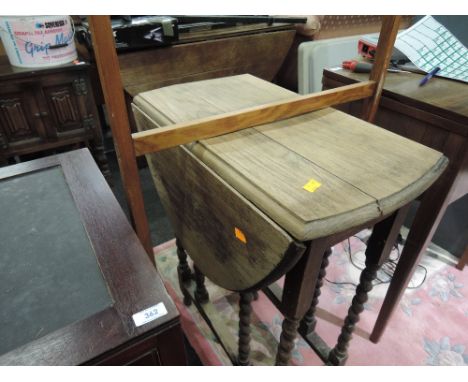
[[67, 104], [63, 113], [20, 120]]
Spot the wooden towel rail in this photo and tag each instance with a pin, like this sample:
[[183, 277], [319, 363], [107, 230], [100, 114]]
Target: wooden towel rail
[[154, 140]]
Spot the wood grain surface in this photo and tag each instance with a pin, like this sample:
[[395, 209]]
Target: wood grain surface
[[111, 82], [260, 53], [418, 113], [232, 242], [387, 36], [440, 96], [238, 30], [363, 171], [212, 126]]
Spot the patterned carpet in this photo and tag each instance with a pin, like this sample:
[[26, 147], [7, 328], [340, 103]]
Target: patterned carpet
[[428, 328]]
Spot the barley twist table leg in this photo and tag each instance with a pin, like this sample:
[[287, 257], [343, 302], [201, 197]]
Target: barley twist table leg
[[201, 294], [339, 354], [245, 311], [184, 272], [286, 344]]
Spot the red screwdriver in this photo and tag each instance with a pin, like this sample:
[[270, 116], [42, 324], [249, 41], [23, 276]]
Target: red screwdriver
[[357, 66]]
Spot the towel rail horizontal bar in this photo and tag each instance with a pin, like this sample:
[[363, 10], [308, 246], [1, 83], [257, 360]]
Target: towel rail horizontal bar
[[158, 139]]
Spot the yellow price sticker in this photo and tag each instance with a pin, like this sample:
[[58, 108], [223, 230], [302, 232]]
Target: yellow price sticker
[[312, 185]]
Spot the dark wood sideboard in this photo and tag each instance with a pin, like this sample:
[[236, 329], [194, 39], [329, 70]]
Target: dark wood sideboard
[[76, 285], [48, 108]]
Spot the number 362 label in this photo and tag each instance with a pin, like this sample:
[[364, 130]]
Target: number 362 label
[[150, 314]]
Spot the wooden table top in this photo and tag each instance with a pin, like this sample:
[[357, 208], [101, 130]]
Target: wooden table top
[[258, 51], [442, 96], [364, 172], [238, 30]]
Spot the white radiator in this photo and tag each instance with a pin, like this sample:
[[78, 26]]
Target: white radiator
[[314, 56]]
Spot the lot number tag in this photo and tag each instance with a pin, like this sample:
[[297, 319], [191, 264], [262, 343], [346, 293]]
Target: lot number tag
[[150, 314]]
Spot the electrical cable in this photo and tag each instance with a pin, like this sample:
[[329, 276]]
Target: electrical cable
[[387, 268]]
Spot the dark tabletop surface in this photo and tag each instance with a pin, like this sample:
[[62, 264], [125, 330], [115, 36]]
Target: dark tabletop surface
[[49, 276], [441, 93]]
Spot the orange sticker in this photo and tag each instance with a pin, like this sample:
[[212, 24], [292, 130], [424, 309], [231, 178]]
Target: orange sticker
[[240, 235]]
